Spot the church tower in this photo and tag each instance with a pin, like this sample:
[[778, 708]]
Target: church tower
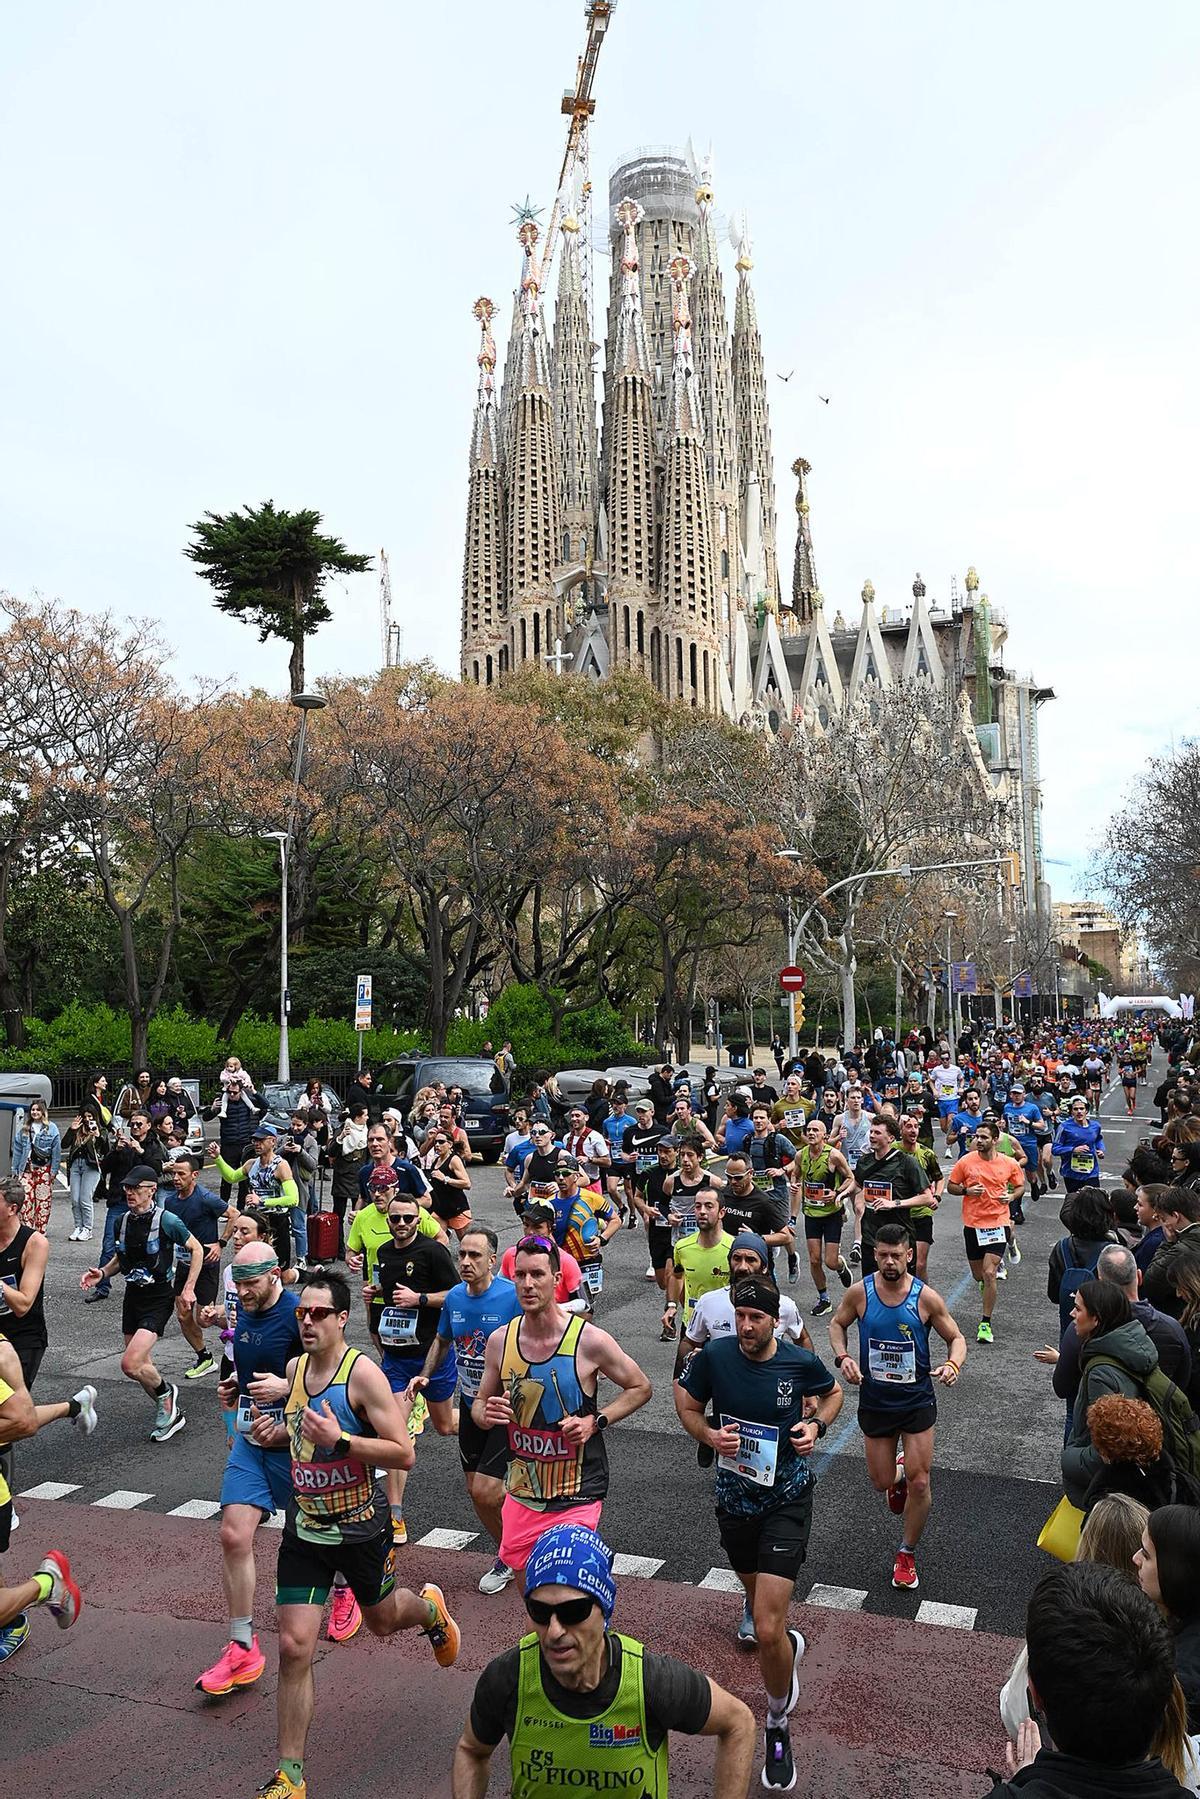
[[754, 426], [804, 569], [714, 385], [630, 507], [534, 532], [686, 666], [574, 404], [484, 646]]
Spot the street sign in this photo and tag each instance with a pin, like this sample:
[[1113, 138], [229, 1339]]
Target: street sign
[[791, 978], [362, 1002]]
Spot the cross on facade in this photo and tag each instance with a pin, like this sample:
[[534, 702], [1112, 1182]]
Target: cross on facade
[[559, 657]]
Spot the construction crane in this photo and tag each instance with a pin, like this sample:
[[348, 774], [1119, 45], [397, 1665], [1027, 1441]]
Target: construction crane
[[391, 633], [578, 106]]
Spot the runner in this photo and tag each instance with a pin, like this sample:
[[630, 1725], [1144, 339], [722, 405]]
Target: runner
[[202, 1210], [569, 1289], [771, 1154], [758, 1388], [583, 1224], [589, 1148], [700, 1261], [1022, 1117], [413, 1275], [540, 1379], [984, 1179], [449, 1183], [639, 1148], [147, 1239], [822, 1180], [479, 1304], [850, 1133], [945, 1083], [620, 1167], [887, 1180], [370, 1231], [919, 1222], [574, 1698], [341, 1422], [272, 1184], [1079, 1146], [792, 1111], [713, 1314], [1129, 1085], [537, 1176], [654, 1205], [895, 1312], [24, 1255], [51, 1584]]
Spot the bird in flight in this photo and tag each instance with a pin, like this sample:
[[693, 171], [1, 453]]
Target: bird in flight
[[786, 377], [824, 399]]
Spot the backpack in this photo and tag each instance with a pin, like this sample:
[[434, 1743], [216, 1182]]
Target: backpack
[[1074, 1275], [154, 1249], [1180, 1426]]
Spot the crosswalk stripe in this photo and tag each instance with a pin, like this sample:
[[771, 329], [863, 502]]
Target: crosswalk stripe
[[641, 1567], [446, 1539], [721, 1580], [196, 1508], [50, 1489], [123, 1500], [837, 1599], [955, 1617], [276, 1521]]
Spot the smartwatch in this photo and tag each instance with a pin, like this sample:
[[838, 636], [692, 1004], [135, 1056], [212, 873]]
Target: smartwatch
[[839, 1359], [342, 1446], [422, 1299], [822, 1427], [601, 1421]]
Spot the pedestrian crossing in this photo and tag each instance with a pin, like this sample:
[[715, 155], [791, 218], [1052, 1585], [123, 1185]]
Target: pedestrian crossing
[[625, 1567]]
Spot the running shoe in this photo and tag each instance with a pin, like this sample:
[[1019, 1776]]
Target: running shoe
[[1002, 1272], [667, 1334], [844, 1274], [236, 1666], [793, 1270], [399, 1533], [779, 1770], [65, 1600], [984, 1333], [418, 1416], [822, 1306], [855, 1254], [1053, 1182], [496, 1578], [1014, 1252], [280, 1787], [87, 1418], [170, 1419], [798, 1648], [897, 1493], [746, 1632], [12, 1636], [344, 1616], [904, 1570], [444, 1633], [649, 1274], [203, 1364], [1018, 1216]]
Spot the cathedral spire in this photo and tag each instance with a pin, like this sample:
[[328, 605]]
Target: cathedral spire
[[574, 402], [688, 584], [533, 482], [804, 569], [714, 384], [484, 655], [630, 506], [753, 422]]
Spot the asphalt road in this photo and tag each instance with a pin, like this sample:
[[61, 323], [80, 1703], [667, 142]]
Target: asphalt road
[[996, 1464]]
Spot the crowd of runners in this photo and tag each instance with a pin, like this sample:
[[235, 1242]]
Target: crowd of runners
[[774, 1212]]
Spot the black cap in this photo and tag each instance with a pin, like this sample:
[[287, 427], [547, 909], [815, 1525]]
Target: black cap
[[142, 1172]]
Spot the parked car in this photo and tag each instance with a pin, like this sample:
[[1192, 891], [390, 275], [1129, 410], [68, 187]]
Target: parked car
[[485, 1093], [283, 1096]]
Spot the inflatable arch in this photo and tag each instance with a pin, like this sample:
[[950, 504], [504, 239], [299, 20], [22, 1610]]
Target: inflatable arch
[[1142, 1002]]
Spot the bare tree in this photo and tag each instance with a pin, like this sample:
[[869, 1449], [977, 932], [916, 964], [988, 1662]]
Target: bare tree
[[1149, 864]]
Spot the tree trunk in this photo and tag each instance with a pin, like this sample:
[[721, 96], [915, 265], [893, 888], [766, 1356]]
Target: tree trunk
[[139, 1031], [899, 997], [296, 664], [846, 975]]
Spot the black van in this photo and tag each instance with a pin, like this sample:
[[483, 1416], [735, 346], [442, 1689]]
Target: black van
[[485, 1093]]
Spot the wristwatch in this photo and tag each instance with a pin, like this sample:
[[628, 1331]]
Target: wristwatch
[[601, 1421], [839, 1359], [822, 1427], [342, 1446], [422, 1299]]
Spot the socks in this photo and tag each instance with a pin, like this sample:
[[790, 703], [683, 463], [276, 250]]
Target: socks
[[161, 1389], [777, 1716], [908, 1549], [73, 1408], [822, 1296], [45, 1587], [397, 1512], [241, 1631], [293, 1770]]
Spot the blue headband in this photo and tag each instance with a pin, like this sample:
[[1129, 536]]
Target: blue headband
[[567, 1555]]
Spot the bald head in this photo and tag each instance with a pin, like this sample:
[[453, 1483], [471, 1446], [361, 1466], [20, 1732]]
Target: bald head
[[1117, 1265]]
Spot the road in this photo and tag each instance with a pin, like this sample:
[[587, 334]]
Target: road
[[142, 1513]]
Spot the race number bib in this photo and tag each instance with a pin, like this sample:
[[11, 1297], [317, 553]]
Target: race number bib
[[794, 1121], [645, 1162], [245, 1423], [398, 1326], [6, 1280], [990, 1236], [895, 1364], [762, 1181], [593, 1274], [541, 1189], [757, 1452], [875, 1191], [1082, 1161]]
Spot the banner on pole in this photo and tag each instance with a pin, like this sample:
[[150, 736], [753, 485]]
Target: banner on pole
[[362, 1002], [1022, 987], [963, 975]]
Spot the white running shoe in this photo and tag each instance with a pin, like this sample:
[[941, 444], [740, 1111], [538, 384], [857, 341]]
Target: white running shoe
[[87, 1419]]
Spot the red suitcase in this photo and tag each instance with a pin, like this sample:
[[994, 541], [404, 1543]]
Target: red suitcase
[[322, 1237]]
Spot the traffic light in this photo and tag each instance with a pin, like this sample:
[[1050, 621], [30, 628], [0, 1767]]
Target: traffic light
[[798, 1010]]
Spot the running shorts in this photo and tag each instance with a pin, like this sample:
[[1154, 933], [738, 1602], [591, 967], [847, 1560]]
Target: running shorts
[[255, 1476], [206, 1282], [920, 1229], [400, 1369], [660, 1246], [771, 1542], [891, 1424], [147, 1308], [522, 1526], [304, 1572], [823, 1230], [481, 1451], [977, 1251]]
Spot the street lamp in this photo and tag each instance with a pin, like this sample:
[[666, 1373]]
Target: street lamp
[[791, 856], [949, 918], [304, 704]]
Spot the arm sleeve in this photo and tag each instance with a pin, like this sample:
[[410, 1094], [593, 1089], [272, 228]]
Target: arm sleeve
[[494, 1703], [677, 1697], [234, 1175], [289, 1193]]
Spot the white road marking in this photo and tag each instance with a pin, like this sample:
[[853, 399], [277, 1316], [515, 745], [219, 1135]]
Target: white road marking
[[196, 1508], [641, 1567], [721, 1580], [837, 1599], [955, 1617], [275, 1521], [50, 1489], [123, 1500], [446, 1539]]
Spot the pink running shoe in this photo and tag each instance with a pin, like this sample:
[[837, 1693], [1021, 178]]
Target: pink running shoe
[[344, 1616], [236, 1667]]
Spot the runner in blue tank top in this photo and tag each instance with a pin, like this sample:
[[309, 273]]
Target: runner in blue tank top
[[897, 1407]]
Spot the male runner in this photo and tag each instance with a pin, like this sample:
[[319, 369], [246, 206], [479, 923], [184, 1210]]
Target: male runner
[[569, 1290], [849, 1132], [273, 1185], [482, 1302], [895, 1312], [758, 1387], [540, 1380], [147, 1239], [791, 1110], [202, 1210], [413, 1275], [771, 1154], [887, 1180], [713, 1314], [639, 1148], [654, 1205], [821, 1182], [960, 1126], [1022, 1118], [920, 1218], [342, 1421], [24, 1254], [700, 1261], [748, 1208], [589, 1148], [985, 1179], [945, 1083], [51, 1584], [614, 1128], [583, 1223]]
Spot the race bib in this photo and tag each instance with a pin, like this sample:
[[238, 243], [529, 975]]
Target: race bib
[[989, 1235], [815, 1192], [398, 1326], [794, 1120], [762, 1181], [245, 1423], [646, 1162], [231, 1306], [757, 1452], [1082, 1161], [6, 1280], [541, 1189], [895, 1364], [874, 1191], [593, 1274]]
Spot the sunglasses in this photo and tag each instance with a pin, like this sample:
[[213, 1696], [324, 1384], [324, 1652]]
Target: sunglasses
[[403, 1217], [569, 1612], [440, 1142], [316, 1313], [534, 1242]]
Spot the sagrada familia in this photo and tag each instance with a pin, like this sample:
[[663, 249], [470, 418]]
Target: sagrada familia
[[651, 543]]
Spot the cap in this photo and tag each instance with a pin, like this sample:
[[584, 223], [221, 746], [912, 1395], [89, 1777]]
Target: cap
[[383, 1176], [567, 1161], [142, 1172], [757, 1296], [644, 1105], [264, 1130], [541, 1208]]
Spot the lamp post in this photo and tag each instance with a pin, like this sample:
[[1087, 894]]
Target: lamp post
[[304, 704], [949, 918], [791, 856]]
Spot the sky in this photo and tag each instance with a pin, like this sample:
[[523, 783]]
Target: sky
[[243, 243]]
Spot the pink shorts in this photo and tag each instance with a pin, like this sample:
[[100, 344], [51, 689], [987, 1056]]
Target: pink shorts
[[521, 1527]]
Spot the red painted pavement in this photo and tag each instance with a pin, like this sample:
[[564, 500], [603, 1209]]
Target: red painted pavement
[[888, 1709]]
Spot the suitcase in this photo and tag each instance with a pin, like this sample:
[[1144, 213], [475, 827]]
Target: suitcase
[[322, 1237]]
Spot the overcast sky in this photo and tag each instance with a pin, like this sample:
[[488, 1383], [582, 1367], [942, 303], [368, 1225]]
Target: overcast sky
[[243, 241]]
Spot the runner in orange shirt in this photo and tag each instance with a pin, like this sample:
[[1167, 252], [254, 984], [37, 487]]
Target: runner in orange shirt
[[985, 1179]]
